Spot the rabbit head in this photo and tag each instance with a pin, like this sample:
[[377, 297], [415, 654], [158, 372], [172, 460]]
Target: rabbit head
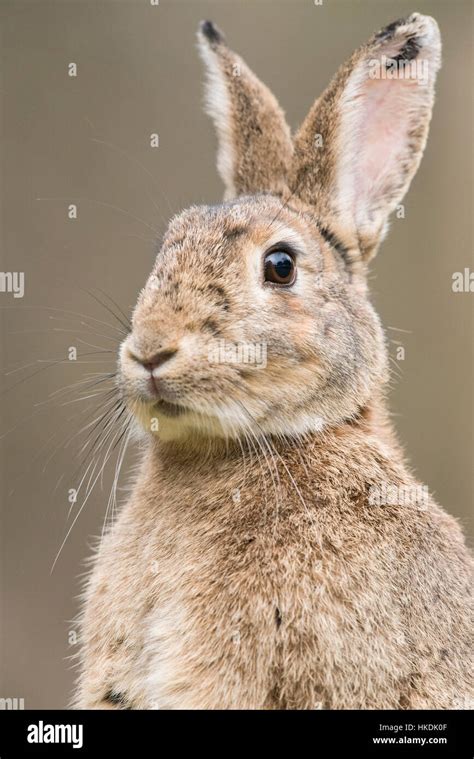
[[255, 318]]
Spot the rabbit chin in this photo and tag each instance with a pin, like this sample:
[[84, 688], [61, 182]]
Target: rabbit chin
[[170, 424], [175, 426]]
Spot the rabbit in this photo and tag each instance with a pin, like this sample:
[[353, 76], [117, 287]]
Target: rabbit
[[262, 560]]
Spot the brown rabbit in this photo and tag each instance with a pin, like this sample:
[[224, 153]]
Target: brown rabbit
[[276, 552]]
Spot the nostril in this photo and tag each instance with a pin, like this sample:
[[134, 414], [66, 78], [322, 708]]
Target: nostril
[[157, 360]]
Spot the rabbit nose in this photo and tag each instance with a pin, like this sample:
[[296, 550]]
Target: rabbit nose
[[153, 362]]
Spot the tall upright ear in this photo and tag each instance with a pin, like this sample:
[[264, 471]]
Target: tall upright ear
[[361, 143], [255, 146]]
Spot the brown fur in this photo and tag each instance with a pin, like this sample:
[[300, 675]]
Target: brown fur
[[250, 567]]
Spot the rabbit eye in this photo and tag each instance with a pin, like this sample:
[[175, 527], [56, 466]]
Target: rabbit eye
[[280, 268]]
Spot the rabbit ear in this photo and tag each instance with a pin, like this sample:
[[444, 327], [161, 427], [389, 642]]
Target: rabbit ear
[[255, 147], [361, 143]]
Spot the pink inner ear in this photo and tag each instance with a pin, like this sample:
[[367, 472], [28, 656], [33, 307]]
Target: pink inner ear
[[381, 137]]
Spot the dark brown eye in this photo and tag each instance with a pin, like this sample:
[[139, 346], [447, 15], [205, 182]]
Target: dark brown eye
[[280, 268]]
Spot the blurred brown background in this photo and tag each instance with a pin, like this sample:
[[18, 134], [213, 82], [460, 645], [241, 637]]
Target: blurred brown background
[[86, 140]]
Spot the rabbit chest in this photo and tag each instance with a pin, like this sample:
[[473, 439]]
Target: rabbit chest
[[224, 587]]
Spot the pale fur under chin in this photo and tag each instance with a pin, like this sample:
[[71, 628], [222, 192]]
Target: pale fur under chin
[[249, 569], [227, 424]]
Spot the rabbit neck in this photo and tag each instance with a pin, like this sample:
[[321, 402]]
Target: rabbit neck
[[368, 433]]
